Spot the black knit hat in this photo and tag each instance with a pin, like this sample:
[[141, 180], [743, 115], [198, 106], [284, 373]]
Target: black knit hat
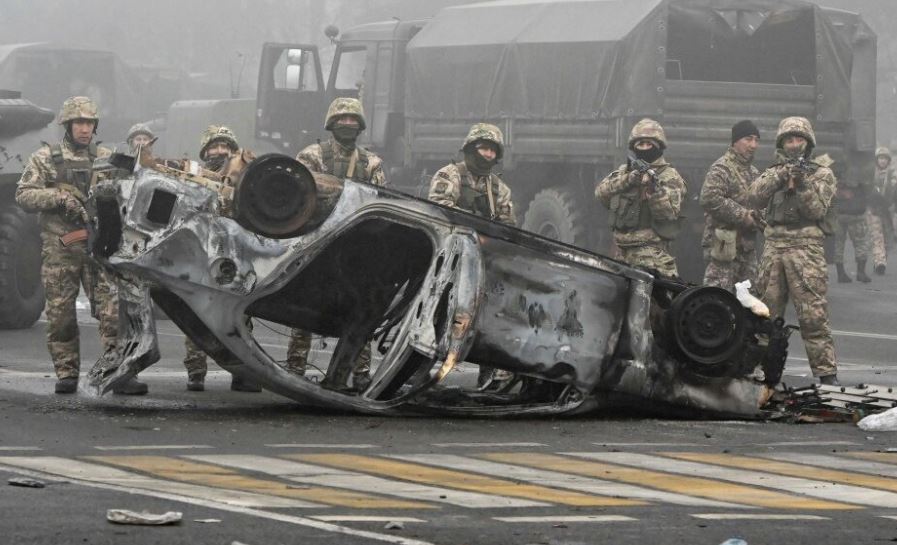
[[744, 128]]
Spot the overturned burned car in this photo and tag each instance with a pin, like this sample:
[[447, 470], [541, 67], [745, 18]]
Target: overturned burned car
[[430, 286]]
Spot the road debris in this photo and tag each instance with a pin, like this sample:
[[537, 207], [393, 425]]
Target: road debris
[[886, 421], [207, 521], [821, 403], [393, 525], [25, 482], [123, 516]]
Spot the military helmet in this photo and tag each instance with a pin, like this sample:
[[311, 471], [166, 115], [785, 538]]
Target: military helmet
[[882, 151], [344, 106], [796, 126], [488, 133], [214, 133], [78, 108], [139, 128], [648, 128]]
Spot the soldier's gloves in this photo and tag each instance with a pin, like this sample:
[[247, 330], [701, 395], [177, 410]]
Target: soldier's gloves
[[635, 179], [784, 174], [72, 209]]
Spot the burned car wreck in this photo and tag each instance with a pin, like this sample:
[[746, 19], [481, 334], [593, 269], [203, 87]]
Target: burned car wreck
[[430, 286]]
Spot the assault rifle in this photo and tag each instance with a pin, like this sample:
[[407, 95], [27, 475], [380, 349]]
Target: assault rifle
[[643, 167], [800, 165]]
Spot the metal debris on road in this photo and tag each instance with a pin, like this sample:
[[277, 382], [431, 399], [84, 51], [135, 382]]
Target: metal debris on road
[[394, 526], [822, 403], [207, 521], [25, 482], [123, 516]]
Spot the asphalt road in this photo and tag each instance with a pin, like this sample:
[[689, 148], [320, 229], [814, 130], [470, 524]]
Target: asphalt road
[[272, 472]]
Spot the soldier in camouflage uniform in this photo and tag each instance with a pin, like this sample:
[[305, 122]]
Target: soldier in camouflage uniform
[[139, 135], [220, 153], [730, 231], [55, 183], [799, 213], [472, 186], [339, 156], [850, 205], [878, 217], [645, 206]]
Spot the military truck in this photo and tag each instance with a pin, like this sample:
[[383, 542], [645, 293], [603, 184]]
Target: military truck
[[22, 126], [566, 79]]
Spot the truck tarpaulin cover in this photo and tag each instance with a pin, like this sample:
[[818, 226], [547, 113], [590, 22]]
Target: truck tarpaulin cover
[[583, 59]]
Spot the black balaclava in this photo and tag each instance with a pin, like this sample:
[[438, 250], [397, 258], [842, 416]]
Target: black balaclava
[[215, 162], [476, 163], [649, 155], [346, 135]]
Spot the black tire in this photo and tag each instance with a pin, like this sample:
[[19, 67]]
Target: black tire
[[21, 291], [558, 215]]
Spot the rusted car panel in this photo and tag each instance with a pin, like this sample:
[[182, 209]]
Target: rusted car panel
[[432, 287]]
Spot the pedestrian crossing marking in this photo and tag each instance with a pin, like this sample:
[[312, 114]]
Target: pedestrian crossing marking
[[460, 480], [324, 476], [694, 486], [219, 477], [829, 497], [835, 462], [790, 469], [886, 457], [96, 473], [542, 476]]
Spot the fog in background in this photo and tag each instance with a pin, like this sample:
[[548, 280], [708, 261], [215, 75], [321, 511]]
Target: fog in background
[[218, 43]]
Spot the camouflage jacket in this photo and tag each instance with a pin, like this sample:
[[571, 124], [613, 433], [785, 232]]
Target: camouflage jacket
[[37, 189], [724, 198], [883, 193], [455, 186], [665, 203], [313, 159], [815, 197]]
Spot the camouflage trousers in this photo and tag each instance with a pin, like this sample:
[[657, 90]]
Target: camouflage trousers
[[195, 359], [725, 274], [64, 270], [650, 256], [854, 226], [802, 274], [877, 239], [300, 346]]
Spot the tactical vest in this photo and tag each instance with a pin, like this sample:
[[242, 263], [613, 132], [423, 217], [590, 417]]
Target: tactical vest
[[338, 165], [630, 212], [784, 210], [474, 201], [73, 175]]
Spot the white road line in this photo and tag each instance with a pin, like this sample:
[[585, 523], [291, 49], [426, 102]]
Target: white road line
[[835, 462], [88, 472], [807, 487], [324, 476], [755, 516], [556, 479], [322, 445], [892, 517], [649, 444], [153, 447], [19, 448], [579, 518], [809, 444], [864, 335], [360, 518], [488, 445], [289, 519]]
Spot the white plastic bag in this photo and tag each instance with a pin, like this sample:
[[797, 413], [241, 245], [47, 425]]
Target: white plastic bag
[[886, 421], [747, 300]]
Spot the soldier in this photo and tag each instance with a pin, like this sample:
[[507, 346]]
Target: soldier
[[730, 232], [850, 205], [56, 183], [139, 135], [797, 193], [220, 153], [878, 217], [473, 187], [645, 205], [340, 157]]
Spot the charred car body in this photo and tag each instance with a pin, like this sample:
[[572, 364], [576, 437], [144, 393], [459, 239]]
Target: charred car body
[[431, 286]]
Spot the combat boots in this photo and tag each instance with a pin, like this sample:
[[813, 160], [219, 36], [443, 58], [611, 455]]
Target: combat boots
[[843, 277], [861, 271], [829, 380], [880, 269], [131, 387], [196, 382], [67, 385]]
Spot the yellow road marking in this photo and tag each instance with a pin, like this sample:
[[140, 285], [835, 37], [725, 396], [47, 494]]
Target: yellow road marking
[[220, 477], [790, 469], [887, 457], [420, 473], [692, 486]]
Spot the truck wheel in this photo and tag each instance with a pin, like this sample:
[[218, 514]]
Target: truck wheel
[[555, 214], [21, 292]]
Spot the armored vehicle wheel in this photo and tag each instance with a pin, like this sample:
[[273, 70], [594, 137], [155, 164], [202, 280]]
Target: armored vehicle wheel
[[21, 292], [708, 325], [556, 214]]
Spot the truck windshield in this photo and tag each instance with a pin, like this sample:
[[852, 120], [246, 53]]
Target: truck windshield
[[350, 70]]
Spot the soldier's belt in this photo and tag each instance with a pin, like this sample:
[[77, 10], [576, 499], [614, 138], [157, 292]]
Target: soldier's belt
[[73, 237]]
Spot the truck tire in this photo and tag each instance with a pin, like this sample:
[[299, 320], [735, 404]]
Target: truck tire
[[21, 291], [556, 214]]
